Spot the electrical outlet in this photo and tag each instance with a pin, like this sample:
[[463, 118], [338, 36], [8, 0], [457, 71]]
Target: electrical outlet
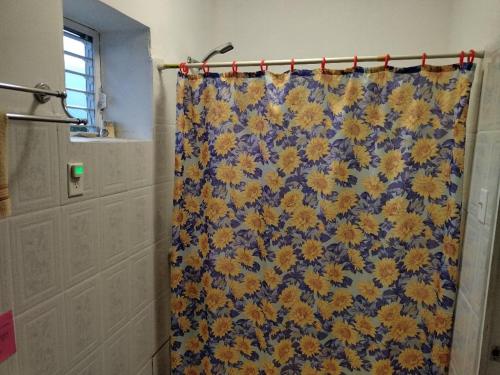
[[76, 171]]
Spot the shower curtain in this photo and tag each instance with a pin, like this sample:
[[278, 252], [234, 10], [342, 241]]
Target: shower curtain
[[316, 220]]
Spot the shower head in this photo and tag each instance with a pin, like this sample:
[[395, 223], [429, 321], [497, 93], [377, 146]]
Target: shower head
[[220, 50]]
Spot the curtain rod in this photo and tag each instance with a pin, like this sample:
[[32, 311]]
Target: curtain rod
[[69, 120], [228, 64]]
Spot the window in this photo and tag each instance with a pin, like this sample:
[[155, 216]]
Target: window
[[82, 73]]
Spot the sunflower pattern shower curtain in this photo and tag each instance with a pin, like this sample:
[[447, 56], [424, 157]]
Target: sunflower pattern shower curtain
[[316, 220]]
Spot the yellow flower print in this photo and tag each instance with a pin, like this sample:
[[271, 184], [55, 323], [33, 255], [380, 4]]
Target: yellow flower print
[[421, 292], [345, 333], [229, 174], [402, 328], [356, 259], [184, 323], [247, 163], [185, 237], [325, 308], [269, 311], [256, 91], [274, 181], [401, 97], [327, 79], [274, 114], [364, 325], [382, 367], [251, 283], [309, 115], [283, 351], [192, 203], [203, 243], [245, 256], [244, 345], [180, 217], [407, 226], [368, 290], [374, 115], [389, 313], [441, 77], [194, 261], [253, 191], [428, 186], [194, 173], [446, 100], [353, 358], [386, 271], [297, 98], [204, 330], [340, 170], [459, 132], [215, 299], [354, 129], [255, 222], [335, 103], [271, 278], [329, 209], [440, 356], [362, 155], [192, 290], [317, 148], [216, 208], [301, 314], [218, 113], [204, 154], [416, 258], [346, 200], [368, 223], [178, 304], [194, 345], [241, 100], [183, 124], [285, 258], [175, 277], [312, 250], [331, 367], [458, 157], [254, 313], [381, 77], [411, 359], [303, 218], [290, 296], [342, 299], [334, 272], [175, 359], [417, 114], [258, 125], [320, 182], [348, 234], [392, 164], [394, 208], [226, 354], [353, 92], [237, 289], [307, 369], [451, 247], [309, 345], [223, 237], [279, 80], [289, 159], [373, 186], [222, 326], [424, 150], [440, 322], [227, 266], [316, 282]]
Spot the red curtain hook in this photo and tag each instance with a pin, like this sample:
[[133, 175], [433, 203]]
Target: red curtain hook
[[263, 66], [470, 57], [292, 65], [234, 67], [183, 68], [323, 63], [461, 60], [205, 68], [386, 60], [355, 62], [424, 57]]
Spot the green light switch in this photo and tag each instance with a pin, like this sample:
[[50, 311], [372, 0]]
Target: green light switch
[[77, 171]]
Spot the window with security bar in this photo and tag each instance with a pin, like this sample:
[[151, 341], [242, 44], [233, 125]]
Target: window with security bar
[[82, 74]]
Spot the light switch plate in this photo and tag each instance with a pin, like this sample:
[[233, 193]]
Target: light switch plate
[[482, 204], [75, 179]]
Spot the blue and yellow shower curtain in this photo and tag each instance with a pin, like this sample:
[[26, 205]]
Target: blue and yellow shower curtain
[[316, 220]]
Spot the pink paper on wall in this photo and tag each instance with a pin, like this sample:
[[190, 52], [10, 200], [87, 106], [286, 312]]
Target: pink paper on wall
[[7, 336]]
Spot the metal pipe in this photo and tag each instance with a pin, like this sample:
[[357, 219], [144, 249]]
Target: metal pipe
[[33, 90], [70, 120], [228, 64]]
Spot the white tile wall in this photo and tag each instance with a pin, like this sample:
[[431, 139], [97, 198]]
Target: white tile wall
[[163, 202], [161, 360], [91, 365], [40, 338], [113, 167], [164, 152], [142, 344], [5, 269], [117, 353], [140, 164], [141, 280], [140, 218], [36, 257]]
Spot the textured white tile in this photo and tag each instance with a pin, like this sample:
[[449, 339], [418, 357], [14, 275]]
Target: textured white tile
[[114, 234], [161, 360], [163, 205], [117, 353], [33, 167], [162, 319], [141, 217], [480, 170], [35, 255], [473, 344], [140, 164], [459, 348], [489, 113], [113, 167], [83, 320], [147, 369], [5, 268], [78, 152], [141, 339], [162, 266], [80, 234], [40, 339], [482, 257], [91, 365], [492, 184], [115, 298], [164, 153], [141, 280], [471, 245]]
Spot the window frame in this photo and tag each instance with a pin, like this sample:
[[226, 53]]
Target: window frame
[[96, 59]]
